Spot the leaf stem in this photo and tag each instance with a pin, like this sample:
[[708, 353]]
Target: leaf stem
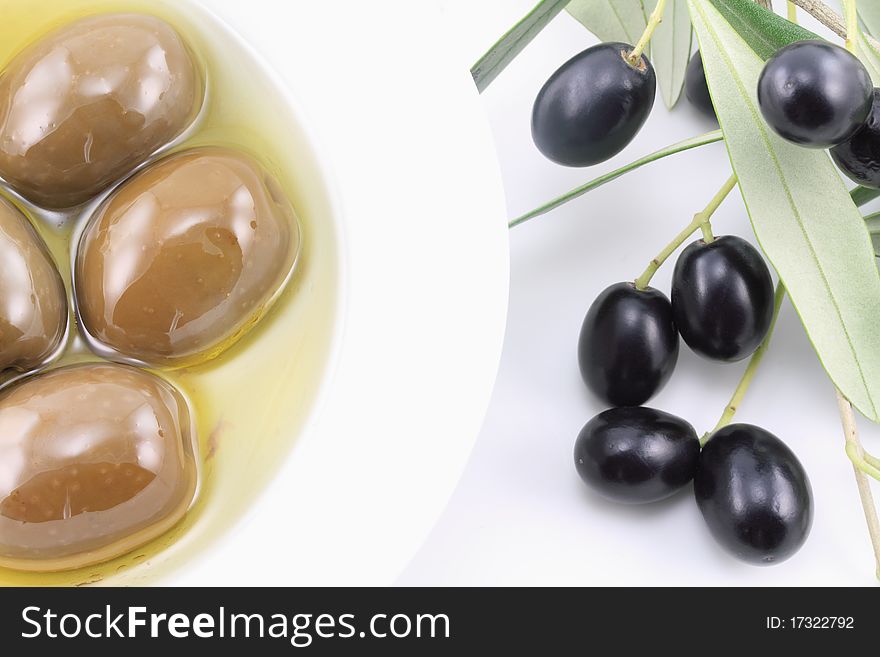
[[700, 221], [747, 377], [872, 221], [792, 12], [850, 12], [854, 451], [656, 18], [680, 147]]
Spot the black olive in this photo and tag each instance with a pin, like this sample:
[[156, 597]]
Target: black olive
[[859, 157], [722, 298], [696, 88], [815, 93], [593, 106], [754, 494], [628, 344], [636, 455]]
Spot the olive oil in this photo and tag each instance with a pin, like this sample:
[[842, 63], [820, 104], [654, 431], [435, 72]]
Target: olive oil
[[252, 401]]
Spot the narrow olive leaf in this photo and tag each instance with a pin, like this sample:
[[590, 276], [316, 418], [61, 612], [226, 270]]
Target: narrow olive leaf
[[869, 12], [872, 221], [868, 50], [762, 30], [864, 195], [671, 50], [511, 44], [611, 20], [680, 147], [802, 215], [625, 20]]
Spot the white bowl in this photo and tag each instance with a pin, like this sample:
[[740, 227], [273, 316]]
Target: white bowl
[[397, 124], [393, 167]]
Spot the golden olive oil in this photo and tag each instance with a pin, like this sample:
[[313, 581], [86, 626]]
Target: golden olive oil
[[252, 401]]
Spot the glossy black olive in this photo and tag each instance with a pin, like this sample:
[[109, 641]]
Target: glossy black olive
[[696, 88], [593, 106], [754, 494], [628, 344], [722, 298], [636, 455], [859, 157], [815, 93]]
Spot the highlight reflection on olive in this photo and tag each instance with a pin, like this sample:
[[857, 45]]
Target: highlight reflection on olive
[[94, 460], [33, 302], [185, 257], [86, 104]]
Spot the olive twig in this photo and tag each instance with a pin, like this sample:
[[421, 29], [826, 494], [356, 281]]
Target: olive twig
[[824, 14], [656, 18], [829, 18], [854, 448], [751, 369], [700, 222], [850, 12], [679, 147]]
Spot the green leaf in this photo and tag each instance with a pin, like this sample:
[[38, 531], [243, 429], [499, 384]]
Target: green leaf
[[868, 51], [625, 20], [864, 195], [671, 50], [869, 12], [802, 215], [873, 223], [680, 147], [511, 44], [765, 32], [611, 20], [762, 30]]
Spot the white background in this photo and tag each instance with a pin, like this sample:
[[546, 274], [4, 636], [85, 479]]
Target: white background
[[520, 514]]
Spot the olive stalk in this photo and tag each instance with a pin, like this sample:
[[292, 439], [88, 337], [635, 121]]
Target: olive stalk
[[854, 451], [747, 377], [656, 18], [679, 147], [850, 12], [863, 461], [873, 462], [700, 222]]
